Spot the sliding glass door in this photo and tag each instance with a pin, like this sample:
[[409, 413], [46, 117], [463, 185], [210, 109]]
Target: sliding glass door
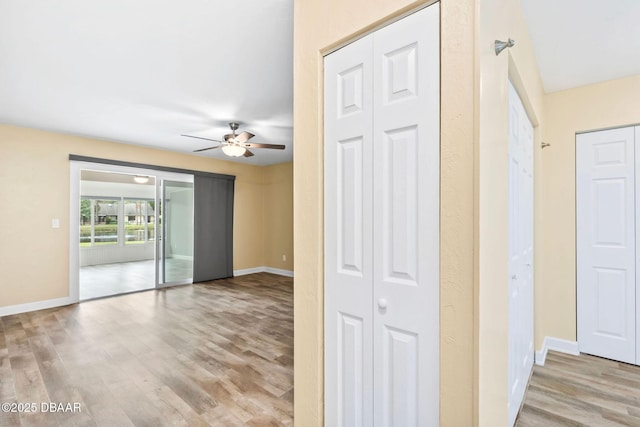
[[134, 230], [152, 227], [175, 263]]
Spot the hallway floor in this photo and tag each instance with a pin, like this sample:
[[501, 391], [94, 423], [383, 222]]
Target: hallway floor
[[582, 391]]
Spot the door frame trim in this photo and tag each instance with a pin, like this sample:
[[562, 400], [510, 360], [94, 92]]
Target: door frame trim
[[607, 128], [155, 168], [372, 28]]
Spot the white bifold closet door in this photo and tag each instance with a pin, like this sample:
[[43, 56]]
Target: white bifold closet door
[[606, 242], [520, 355], [382, 154]]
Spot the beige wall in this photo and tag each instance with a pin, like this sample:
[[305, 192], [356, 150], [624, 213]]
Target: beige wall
[[278, 216], [608, 104], [319, 25], [34, 187], [499, 19]]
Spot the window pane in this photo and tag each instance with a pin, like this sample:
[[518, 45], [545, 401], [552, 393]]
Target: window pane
[[106, 222], [85, 222], [134, 213]]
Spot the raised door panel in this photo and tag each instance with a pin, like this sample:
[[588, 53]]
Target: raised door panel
[[406, 221], [400, 380], [399, 196], [606, 240], [348, 236], [350, 372], [350, 209]]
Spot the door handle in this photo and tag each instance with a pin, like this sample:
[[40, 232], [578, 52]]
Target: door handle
[[514, 277], [382, 303]]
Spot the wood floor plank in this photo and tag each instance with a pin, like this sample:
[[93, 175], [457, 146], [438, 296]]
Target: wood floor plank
[[218, 353], [581, 391]]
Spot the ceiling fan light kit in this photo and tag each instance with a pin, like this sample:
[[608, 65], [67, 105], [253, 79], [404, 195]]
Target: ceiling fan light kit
[[235, 145], [233, 150]]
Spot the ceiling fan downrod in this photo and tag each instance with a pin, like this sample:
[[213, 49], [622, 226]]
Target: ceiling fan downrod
[[234, 127]]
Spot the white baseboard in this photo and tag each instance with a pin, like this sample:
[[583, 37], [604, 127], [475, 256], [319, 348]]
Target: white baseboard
[[279, 271], [246, 271], [33, 306], [263, 269], [59, 302], [556, 344]]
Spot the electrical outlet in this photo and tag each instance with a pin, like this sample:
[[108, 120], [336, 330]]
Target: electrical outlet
[[284, 257]]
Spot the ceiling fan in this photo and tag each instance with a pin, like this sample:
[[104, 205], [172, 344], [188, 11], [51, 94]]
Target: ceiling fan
[[236, 145]]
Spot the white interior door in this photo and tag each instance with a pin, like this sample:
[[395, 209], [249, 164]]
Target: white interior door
[[406, 221], [606, 243], [520, 351], [382, 227], [348, 241]]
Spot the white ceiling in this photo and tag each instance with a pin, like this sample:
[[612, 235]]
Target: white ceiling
[[114, 177], [143, 72], [580, 42]]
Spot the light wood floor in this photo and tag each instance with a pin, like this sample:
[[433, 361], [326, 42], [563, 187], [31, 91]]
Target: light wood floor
[[582, 391], [217, 354]]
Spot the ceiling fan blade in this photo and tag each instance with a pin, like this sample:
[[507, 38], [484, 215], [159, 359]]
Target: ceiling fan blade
[[205, 149], [244, 137], [248, 153], [256, 145], [199, 137]]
